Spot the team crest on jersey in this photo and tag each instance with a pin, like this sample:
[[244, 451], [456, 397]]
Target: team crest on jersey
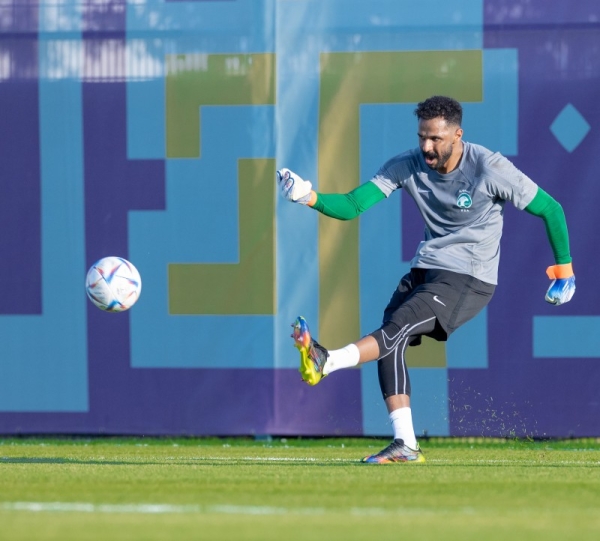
[[464, 201]]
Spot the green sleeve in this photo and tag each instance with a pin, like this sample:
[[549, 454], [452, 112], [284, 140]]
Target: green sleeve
[[550, 210], [350, 205]]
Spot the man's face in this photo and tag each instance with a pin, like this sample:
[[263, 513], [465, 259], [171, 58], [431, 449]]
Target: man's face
[[438, 142]]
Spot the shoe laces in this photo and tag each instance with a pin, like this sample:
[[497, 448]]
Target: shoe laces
[[321, 354], [396, 448]]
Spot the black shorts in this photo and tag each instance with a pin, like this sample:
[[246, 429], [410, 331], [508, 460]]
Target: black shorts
[[427, 302], [454, 299]]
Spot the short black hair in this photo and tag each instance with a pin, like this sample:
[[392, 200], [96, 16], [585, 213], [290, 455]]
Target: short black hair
[[440, 106]]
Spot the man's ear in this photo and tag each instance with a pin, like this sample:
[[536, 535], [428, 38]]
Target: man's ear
[[458, 134]]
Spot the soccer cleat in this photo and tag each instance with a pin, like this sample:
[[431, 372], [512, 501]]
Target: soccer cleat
[[313, 355], [396, 452]]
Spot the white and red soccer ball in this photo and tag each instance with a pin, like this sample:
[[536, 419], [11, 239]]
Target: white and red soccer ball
[[113, 284]]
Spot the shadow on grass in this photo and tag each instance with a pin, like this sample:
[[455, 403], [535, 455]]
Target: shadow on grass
[[325, 463], [58, 460], [191, 462]]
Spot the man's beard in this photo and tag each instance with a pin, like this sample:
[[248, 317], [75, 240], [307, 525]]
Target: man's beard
[[441, 158]]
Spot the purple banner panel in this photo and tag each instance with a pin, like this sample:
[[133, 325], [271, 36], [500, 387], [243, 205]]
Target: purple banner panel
[[20, 219]]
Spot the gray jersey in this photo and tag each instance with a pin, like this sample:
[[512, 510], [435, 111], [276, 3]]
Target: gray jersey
[[463, 210]]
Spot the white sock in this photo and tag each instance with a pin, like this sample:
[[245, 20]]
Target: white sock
[[401, 420], [341, 358]]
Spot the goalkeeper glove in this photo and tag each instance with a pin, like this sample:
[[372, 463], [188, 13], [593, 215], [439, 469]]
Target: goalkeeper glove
[[562, 287], [293, 187]]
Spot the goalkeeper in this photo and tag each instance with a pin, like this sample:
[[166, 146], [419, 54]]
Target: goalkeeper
[[460, 189]]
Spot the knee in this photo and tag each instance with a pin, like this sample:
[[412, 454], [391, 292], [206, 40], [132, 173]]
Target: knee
[[387, 334]]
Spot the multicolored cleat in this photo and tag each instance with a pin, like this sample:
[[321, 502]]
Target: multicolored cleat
[[396, 452], [313, 355]]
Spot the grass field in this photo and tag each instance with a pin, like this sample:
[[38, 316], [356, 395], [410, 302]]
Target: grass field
[[296, 489]]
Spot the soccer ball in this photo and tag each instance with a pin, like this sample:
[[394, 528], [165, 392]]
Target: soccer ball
[[113, 284]]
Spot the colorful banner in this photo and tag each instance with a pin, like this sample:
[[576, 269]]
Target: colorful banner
[[151, 130]]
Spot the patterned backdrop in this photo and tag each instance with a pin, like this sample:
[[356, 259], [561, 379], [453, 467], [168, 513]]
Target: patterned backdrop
[[152, 129]]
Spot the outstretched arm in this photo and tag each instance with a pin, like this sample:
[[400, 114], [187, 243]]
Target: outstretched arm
[[350, 205], [341, 206], [546, 207]]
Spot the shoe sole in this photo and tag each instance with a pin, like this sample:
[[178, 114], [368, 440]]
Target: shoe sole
[[419, 460], [306, 368], [301, 338]]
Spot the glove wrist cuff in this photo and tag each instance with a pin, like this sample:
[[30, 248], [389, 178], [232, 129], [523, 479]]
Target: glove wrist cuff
[[555, 272]]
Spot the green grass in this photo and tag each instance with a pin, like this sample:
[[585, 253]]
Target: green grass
[[296, 489]]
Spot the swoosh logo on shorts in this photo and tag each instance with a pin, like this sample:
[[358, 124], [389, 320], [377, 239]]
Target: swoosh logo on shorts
[[435, 298]]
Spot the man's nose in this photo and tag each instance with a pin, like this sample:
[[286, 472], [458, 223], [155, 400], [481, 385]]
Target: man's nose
[[426, 145]]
